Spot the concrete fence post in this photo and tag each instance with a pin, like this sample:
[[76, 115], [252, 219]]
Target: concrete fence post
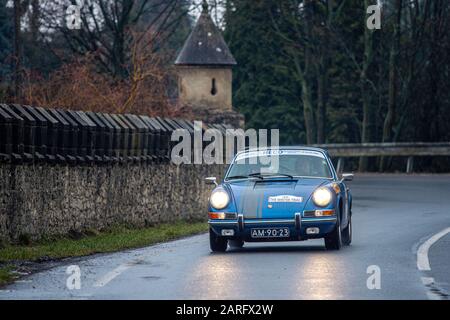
[[410, 165]]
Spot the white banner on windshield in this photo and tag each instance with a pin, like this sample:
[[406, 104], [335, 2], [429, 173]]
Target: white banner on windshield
[[277, 152]]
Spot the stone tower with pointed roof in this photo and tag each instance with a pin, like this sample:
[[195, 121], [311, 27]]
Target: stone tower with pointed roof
[[204, 67]]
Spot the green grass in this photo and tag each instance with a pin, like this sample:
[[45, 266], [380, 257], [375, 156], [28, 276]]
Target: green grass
[[113, 240], [6, 274]]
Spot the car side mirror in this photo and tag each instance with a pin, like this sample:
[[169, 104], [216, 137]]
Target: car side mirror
[[347, 176], [211, 180]]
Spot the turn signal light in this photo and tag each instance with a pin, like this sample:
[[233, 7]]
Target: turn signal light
[[216, 215], [318, 213], [336, 188], [324, 213]]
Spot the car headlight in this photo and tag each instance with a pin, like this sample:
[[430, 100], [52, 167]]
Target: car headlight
[[219, 199], [322, 197]]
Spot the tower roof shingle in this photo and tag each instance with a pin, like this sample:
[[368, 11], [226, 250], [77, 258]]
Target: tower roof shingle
[[205, 45]]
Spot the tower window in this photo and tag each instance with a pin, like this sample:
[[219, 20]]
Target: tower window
[[213, 87]]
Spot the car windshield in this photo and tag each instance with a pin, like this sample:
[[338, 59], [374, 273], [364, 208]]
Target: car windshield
[[292, 163]]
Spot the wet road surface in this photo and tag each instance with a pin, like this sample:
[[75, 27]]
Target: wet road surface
[[392, 216]]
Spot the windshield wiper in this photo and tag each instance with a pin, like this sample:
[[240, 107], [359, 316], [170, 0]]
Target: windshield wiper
[[252, 175], [278, 174], [256, 175], [260, 176], [237, 177]]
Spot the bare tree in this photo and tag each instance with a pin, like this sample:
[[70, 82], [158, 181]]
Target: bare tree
[[17, 48], [368, 123], [107, 28], [389, 120], [307, 43], [393, 73]]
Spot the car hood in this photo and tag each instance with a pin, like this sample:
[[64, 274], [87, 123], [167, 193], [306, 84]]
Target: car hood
[[263, 199]]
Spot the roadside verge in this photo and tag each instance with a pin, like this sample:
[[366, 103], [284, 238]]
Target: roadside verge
[[16, 260]]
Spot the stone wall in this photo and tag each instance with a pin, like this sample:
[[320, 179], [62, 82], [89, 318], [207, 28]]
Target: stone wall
[[48, 200]]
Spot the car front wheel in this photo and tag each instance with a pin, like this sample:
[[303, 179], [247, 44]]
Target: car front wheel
[[347, 233], [217, 243], [333, 241]]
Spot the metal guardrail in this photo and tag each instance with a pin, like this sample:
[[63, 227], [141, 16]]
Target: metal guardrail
[[34, 134], [401, 149]]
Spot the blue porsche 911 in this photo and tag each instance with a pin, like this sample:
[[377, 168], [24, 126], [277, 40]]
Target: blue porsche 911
[[280, 194]]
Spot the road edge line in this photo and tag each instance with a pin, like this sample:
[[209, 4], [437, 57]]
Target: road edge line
[[423, 263], [107, 278]]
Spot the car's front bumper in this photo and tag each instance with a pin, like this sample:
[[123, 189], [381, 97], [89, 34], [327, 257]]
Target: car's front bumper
[[297, 227]]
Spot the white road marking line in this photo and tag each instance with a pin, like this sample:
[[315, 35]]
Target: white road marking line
[[427, 280], [23, 281], [423, 264], [113, 274], [103, 281]]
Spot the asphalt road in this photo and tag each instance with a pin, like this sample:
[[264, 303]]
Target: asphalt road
[[393, 216]]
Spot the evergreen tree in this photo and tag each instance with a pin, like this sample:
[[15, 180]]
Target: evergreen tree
[[263, 86], [6, 51]]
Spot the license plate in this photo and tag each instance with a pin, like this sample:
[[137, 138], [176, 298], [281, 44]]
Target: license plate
[[269, 232]]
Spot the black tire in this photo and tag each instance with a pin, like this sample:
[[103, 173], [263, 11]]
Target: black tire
[[333, 241], [217, 243], [347, 233], [236, 243]]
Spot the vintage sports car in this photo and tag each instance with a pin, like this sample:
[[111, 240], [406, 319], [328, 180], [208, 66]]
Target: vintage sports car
[[280, 194]]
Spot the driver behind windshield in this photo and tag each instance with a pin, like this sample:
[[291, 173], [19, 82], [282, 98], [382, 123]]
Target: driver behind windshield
[[310, 167], [294, 165]]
